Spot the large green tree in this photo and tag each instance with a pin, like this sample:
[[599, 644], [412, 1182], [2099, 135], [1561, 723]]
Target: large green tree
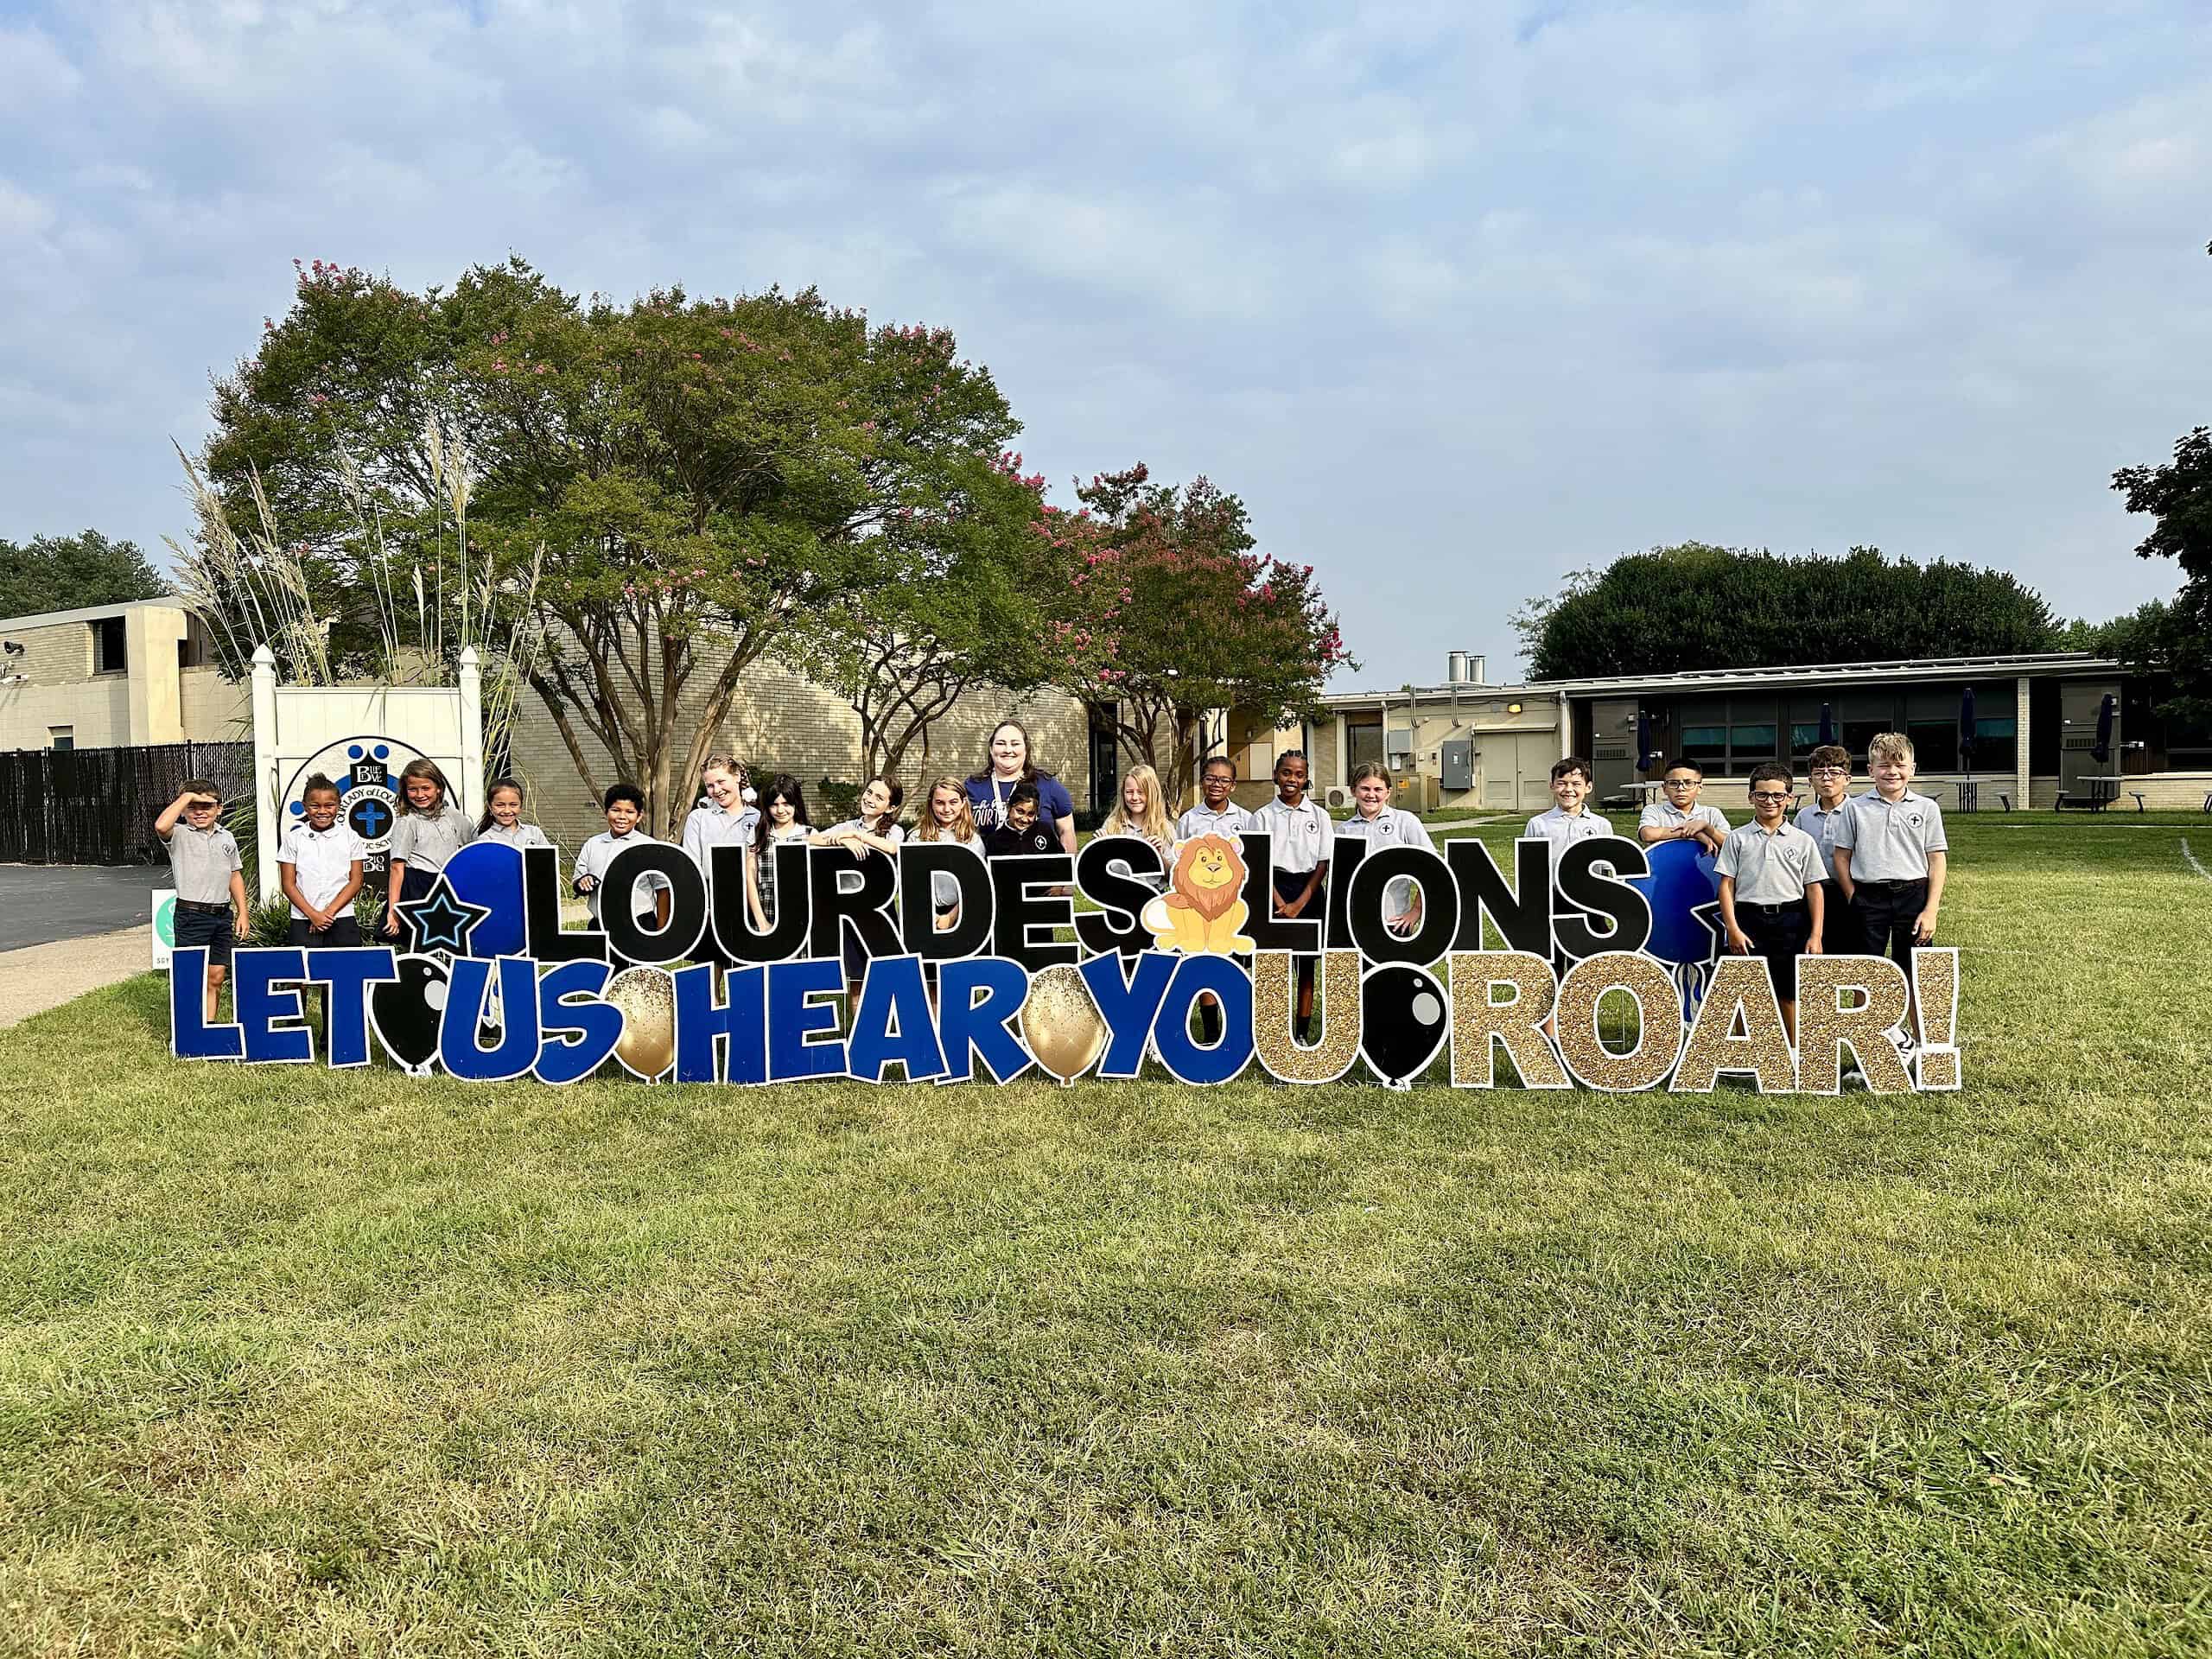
[[1189, 620], [672, 487], [2177, 639], [983, 591], [1696, 606], [63, 573]]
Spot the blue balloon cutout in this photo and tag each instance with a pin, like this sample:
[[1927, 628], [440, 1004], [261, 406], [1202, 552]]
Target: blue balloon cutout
[[1682, 878], [489, 873], [1684, 889]]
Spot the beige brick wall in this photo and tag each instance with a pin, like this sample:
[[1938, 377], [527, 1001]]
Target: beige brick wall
[[216, 710], [57, 655], [96, 712]]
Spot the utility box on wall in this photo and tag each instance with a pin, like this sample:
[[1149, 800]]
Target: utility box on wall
[[1456, 765]]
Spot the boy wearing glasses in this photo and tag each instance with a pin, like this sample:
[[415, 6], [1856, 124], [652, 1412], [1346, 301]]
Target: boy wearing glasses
[[1679, 816], [1819, 818], [1772, 877]]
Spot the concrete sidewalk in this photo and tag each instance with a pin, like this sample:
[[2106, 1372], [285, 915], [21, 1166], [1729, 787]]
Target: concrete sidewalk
[[43, 977]]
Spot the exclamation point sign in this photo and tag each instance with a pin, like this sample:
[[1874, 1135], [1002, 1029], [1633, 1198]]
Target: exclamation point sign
[[1936, 993]]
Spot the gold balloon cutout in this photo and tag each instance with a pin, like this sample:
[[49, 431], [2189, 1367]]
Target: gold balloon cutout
[[647, 999], [1060, 1022]]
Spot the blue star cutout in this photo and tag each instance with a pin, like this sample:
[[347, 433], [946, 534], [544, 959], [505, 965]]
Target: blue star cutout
[[443, 921]]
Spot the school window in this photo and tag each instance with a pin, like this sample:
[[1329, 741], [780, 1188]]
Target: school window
[[1749, 745], [1996, 744], [62, 737], [1935, 745], [107, 646], [1707, 746]]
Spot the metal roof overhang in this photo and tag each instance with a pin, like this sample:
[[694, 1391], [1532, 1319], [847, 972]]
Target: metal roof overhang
[[1908, 670]]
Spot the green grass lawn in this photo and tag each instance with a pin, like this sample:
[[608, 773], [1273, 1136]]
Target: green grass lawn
[[296, 1361]]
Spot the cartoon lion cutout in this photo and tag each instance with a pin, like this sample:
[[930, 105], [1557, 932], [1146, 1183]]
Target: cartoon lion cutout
[[1203, 910]]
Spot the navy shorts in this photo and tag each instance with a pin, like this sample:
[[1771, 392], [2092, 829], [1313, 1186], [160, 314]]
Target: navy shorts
[[1779, 934], [344, 933], [216, 929]]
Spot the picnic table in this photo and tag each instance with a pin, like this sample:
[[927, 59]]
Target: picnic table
[[2102, 790]]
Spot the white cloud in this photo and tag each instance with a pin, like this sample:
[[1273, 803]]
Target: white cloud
[[1458, 298]]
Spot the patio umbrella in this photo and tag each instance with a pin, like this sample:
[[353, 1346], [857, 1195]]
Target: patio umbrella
[[1827, 724], [2103, 752], [1966, 728], [1644, 758]]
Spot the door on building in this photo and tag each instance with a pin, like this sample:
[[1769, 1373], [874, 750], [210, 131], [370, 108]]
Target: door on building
[[2079, 703], [1517, 770], [1363, 737], [1612, 747]]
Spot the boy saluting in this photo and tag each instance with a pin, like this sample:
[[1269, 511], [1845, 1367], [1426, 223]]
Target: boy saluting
[[1772, 878], [211, 903]]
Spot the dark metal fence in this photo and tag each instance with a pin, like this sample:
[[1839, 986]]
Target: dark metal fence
[[97, 806]]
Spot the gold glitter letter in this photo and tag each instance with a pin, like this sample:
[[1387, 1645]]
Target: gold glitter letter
[[1479, 1024], [1742, 986], [1658, 1021], [1335, 1001], [1824, 1025], [1936, 987]]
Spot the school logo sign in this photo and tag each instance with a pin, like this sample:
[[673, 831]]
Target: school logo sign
[[366, 771]]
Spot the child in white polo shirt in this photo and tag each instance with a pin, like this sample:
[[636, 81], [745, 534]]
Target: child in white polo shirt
[[1891, 855], [1829, 771], [1378, 823], [1570, 819], [1772, 878], [1216, 814], [1679, 816], [1299, 833], [319, 867], [211, 903]]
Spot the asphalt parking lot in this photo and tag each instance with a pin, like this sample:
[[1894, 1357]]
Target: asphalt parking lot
[[42, 903]]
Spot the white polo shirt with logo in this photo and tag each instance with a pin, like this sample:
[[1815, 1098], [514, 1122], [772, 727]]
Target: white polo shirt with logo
[[1301, 834], [1889, 840], [322, 860], [1392, 827]]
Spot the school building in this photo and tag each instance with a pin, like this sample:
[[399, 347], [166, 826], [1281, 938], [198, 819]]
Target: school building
[[1988, 731], [114, 677]]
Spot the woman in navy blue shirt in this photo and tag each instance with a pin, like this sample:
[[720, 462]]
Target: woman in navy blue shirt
[[1007, 763]]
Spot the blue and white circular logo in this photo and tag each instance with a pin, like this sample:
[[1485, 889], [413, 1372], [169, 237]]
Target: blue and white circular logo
[[366, 771]]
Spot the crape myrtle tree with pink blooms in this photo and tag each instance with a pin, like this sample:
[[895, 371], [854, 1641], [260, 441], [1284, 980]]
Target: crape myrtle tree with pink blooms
[[1194, 619], [690, 484]]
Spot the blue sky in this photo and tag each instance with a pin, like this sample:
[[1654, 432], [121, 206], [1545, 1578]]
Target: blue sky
[[1458, 298]]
